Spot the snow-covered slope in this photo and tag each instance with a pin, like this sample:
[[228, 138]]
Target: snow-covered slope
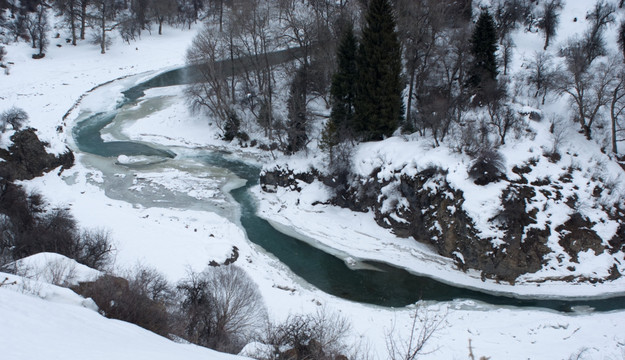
[[58, 324]]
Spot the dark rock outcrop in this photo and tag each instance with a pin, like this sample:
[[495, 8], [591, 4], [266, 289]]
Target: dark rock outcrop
[[27, 157], [426, 207]]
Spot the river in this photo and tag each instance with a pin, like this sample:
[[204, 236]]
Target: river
[[387, 286]]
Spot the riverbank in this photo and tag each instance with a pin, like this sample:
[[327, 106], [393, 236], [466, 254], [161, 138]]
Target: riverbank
[[356, 238]]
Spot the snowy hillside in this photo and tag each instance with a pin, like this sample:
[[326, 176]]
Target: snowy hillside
[[43, 320], [565, 211]]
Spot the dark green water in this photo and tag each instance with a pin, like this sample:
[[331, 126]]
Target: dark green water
[[392, 287]]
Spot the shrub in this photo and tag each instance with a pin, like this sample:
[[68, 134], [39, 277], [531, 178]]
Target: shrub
[[15, 117], [310, 336], [489, 166], [95, 249], [221, 308], [28, 228], [130, 300]]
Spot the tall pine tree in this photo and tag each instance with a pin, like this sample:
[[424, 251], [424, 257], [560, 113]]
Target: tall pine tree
[[343, 91], [378, 104], [483, 73]]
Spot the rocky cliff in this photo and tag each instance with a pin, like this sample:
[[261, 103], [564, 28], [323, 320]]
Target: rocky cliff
[[427, 208]]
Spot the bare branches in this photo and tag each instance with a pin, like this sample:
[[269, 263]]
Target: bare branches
[[221, 308], [425, 325]]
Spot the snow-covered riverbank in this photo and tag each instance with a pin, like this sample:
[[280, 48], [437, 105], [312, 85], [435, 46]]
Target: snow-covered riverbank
[[173, 239]]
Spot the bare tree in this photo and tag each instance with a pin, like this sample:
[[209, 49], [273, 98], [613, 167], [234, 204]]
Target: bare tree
[[16, 117], [421, 27], [588, 86], [600, 17], [541, 75], [316, 336], [104, 21], [550, 18], [620, 38], [255, 42], [502, 119], [617, 107], [507, 45], [211, 91], [509, 13], [84, 17], [71, 14], [222, 308], [424, 326], [162, 10]]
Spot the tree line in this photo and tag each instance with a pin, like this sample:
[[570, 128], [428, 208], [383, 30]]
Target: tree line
[[29, 20], [437, 68]]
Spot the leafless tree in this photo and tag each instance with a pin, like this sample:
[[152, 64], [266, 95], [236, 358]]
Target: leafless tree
[[84, 16], [421, 27], [318, 336], [550, 18], [16, 117], [162, 10], [104, 20], [42, 27], [541, 75], [442, 99], [617, 107], [503, 119], [255, 42], [71, 13], [95, 249], [588, 85], [507, 46], [425, 325], [222, 308], [211, 91], [509, 13], [600, 17]]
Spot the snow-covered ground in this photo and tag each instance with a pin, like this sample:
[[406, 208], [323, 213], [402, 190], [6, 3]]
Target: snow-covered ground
[[40, 321], [174, 239]]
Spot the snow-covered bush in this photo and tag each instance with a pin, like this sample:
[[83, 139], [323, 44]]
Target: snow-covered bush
[[489, 166], [139, 299], [16, 117], [311, 336]]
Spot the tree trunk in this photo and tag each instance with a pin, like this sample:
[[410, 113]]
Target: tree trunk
[[83, 18], [221, 15], [72, 20], [410, 91], [103, 44]]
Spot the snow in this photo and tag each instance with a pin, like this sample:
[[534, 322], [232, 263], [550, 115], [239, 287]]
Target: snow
[[40, 324], [54, 269], [55, 323]]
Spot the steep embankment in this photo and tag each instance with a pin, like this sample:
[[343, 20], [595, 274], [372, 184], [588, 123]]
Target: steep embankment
[[544, 218]]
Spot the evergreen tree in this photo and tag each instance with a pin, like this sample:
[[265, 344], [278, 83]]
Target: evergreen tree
[[483, 73], [343, 90], [297, 122], [378, 104]]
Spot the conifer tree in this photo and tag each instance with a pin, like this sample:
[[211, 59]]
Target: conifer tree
[[379, 104], [343, 91], [483, 73]]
